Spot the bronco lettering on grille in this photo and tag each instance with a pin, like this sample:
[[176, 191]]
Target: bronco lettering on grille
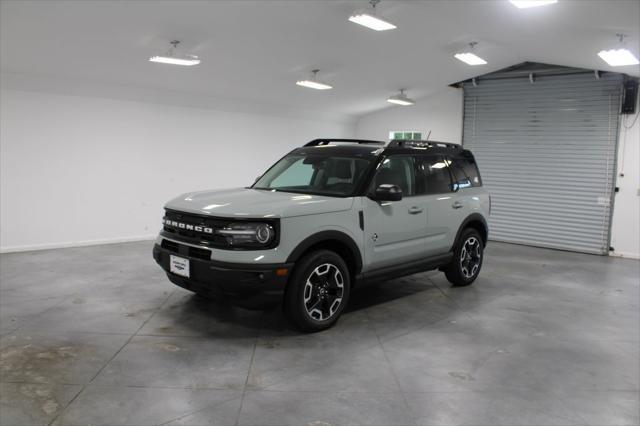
[[187, 226]]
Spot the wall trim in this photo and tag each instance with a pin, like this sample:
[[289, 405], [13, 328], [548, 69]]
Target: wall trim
[[49, 246], [625, 255]]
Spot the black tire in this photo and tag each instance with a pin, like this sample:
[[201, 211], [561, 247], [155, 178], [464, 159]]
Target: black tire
[[468, 255], [310, 299]]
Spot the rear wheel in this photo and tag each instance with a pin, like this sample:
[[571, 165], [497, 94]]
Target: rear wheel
[[318, 291], [467, 258]]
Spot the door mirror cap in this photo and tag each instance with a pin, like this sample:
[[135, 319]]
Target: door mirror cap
[[387, 192]]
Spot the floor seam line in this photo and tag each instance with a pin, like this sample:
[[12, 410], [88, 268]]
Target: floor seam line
[[246, 382], [393, 373], [457, 305], [108, 361]]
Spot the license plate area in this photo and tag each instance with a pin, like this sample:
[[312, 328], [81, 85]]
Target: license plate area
[[179, 266]]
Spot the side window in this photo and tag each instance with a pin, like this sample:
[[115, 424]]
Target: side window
[[397, 170], [437, 179], [297, 174], [471, 170], [465, 172]]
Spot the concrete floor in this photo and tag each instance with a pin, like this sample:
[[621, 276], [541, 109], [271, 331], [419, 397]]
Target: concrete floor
[[99, 336]]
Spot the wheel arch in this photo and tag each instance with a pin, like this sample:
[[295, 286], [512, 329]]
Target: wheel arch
[[336, 241], [477, 222]]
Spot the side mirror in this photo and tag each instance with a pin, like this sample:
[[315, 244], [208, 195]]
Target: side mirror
[[387, 192]]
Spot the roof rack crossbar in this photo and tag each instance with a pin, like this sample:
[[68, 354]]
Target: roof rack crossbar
[[401, 143], [327, 141]]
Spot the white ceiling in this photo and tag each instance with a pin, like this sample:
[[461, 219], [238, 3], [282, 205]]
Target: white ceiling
[[255, 50]]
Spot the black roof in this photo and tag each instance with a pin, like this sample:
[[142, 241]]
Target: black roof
[[327, 141], [364, 147]]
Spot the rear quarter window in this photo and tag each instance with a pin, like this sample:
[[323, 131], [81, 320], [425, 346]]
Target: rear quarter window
[[465, 172]]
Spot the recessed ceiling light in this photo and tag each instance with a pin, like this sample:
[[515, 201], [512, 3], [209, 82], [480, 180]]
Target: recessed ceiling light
[[401, 99], [469, 57], [186, 61], [313, 83], [173, 59], [525, 4], [619, 57], [369, 19]]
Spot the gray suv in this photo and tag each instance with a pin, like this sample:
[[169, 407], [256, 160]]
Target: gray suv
[[327, 217]]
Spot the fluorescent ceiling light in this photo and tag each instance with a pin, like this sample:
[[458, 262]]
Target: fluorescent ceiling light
[[313, 85], [171, 58], [402, 102], [525, 4], [401, 99], [313, 82], [470, 58], [618, 58], [370, 20]]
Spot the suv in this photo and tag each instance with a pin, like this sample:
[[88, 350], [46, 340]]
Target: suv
[[328, 217]]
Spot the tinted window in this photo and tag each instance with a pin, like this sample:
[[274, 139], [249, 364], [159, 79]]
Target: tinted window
[[296, 174], [311, 173], [397, 170], [465, 172], [437, 179]]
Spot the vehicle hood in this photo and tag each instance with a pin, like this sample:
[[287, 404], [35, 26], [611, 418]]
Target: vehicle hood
[[247, 202]]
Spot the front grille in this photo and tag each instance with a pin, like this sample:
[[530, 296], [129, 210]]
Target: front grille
[[170, 245], [192, 236], [200, 253], [202, 229]]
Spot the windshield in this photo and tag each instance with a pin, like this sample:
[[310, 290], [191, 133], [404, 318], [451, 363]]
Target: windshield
[[314, 173]]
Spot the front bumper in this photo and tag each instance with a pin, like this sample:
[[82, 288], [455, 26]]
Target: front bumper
[[250, 286]]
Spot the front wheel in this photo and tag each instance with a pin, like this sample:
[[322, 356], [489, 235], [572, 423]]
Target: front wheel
[[318, 291], [467, 259]]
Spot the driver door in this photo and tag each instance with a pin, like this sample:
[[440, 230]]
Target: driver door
[[395, 232]]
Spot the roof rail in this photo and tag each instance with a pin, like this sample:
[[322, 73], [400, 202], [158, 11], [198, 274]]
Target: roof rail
[[327, 141], [406, 143]]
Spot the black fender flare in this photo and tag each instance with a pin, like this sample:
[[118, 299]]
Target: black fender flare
[[473, 217], [327, 236]]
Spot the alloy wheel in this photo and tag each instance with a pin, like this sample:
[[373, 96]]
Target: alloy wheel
[[323, 292], [470, 257]]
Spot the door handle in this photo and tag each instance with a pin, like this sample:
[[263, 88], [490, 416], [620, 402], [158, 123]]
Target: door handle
[[457, 205], [415, 210]]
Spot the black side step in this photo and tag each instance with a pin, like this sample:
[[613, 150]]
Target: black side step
[[408, 268]]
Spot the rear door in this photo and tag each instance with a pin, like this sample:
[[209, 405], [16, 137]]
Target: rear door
[[443, 217], [468, 195], [395, 232]]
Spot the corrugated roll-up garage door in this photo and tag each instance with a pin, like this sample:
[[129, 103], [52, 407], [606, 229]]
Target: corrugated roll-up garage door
[[547, 154]]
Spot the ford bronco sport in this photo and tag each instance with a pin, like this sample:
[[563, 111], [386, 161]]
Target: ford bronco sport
[[326, 218]]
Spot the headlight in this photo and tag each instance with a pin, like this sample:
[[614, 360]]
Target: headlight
[[248, 234]]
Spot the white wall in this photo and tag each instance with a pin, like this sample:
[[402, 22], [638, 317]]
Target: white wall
[[440, 113], [625, 231], [80, 169]]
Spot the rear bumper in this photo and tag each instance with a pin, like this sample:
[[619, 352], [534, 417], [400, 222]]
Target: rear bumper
[[250, 286]]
